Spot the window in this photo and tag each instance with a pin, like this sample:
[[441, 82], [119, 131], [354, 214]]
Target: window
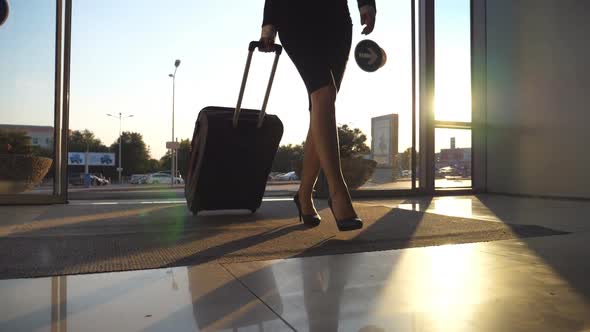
[[452, 94], [452, 158]]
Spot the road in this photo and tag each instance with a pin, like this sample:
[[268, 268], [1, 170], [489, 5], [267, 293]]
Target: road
[[130, 191]]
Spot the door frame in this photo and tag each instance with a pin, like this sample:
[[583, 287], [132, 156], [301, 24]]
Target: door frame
[[423, 176]]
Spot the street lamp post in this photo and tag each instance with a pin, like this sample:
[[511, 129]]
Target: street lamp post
[[120, 117], [176, 157], [172, 151]]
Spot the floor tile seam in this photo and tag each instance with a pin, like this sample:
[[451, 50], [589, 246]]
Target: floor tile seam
[[236, 278]]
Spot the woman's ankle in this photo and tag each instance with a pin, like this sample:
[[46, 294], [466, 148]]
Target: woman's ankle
[[338, 195], [304, 193]]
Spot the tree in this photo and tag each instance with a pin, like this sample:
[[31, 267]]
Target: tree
[[406, 159], [184, 154], [286, 157], [153, 166], [134, 153], [82, 140], [352, 145], [79, 141], [403, 161], [352, 142]]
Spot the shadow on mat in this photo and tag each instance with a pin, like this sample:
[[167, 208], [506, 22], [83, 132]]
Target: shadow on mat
[[93, 244]]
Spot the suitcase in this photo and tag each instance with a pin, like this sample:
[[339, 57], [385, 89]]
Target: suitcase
[[232, 152]]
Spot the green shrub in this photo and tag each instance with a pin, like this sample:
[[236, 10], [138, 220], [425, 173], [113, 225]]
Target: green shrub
[[15, 142]]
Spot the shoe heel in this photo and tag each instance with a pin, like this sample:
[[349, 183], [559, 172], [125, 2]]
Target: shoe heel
[[308, 220], [296, 200]]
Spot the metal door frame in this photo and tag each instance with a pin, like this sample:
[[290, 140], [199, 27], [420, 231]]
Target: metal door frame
[[423, 7], [423, 183]]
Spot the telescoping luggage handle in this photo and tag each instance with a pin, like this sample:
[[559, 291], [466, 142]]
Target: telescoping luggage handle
[[253, 45]]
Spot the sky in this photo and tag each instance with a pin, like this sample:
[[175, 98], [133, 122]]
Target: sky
[[123, 51]]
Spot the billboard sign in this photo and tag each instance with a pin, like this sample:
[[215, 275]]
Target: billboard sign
[[173, 145], [101, 159], [94, 158], [76, 158], [384, 135]]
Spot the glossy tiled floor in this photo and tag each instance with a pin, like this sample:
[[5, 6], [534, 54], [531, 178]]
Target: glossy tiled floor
[[451, 288], [534, 284], [206, 297], [564, 215]]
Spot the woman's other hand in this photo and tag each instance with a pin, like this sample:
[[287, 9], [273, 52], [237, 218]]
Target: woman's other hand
[[267, 38], [368, 18]]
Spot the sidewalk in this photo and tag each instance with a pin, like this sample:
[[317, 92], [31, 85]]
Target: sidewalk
[[141, 187], [273, 188], [126, 191]]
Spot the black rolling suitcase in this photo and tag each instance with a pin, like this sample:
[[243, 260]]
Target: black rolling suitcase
[[232, 152]]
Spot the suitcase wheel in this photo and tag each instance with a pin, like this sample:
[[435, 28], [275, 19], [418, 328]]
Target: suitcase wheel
[[253, 210]]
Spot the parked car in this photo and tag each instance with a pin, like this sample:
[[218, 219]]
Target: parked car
[[289, 176], [168, 172], [163, 178], [78, 179], [447, 171], [138, 179], [98, 180]]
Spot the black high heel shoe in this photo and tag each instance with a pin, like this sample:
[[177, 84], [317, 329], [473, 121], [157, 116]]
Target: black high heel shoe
[[311, 220], [347, 224]]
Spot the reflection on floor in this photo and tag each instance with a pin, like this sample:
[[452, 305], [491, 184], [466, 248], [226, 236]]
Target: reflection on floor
[[532, 284]]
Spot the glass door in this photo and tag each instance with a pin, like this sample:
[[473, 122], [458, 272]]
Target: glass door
[[32, 117], [452, 101]]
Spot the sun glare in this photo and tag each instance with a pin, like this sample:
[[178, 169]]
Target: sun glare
[[452, 102]]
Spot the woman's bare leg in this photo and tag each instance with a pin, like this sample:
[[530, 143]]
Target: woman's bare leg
[[309, 174], [325, 137]]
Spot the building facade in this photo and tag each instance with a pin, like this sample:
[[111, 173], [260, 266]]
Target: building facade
[[41, 136]]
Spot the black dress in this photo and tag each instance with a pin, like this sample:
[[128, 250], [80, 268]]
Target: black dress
[[316, 34]]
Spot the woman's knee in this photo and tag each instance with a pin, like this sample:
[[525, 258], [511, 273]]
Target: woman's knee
[[324, 98]]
